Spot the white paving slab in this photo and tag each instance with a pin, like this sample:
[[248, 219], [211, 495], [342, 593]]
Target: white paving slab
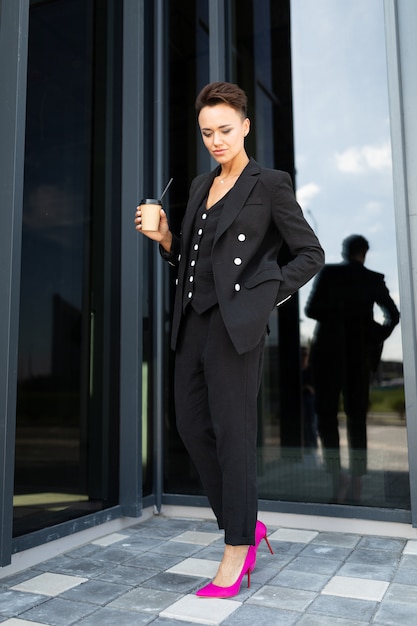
[[410, 547], [196, 567], [293, 535], [197, 537], [49, 584], [358, 588], [15, 621], [108, 540], [210, 611]]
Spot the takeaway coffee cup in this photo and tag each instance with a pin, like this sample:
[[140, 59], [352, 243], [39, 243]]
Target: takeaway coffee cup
[[150, 208]]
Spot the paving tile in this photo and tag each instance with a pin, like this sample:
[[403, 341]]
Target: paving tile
[[332, 552], [253, 615], [395, 613], [294, 536], [146, 600], [283, 598], [109, 539], [125, 575], [172, 582], [197, 537], [110, 617], [176, 547], [377, 557], [313, 564], [337, 539], [96, 592], [112, 554], [201, 610], [387, 544], [58, 612], [410, 547], [74, 567], [309, 581], [13, 603], [403, 593], [154, 561], [369, 571], [16, 621], [195, 567], [360, 588], [347, 608], [323, 620], [50, 584]]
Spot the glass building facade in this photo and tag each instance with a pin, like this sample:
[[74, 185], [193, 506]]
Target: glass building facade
[[98, 111]]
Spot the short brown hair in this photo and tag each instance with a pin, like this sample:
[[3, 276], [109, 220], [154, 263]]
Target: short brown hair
[[222, 93]]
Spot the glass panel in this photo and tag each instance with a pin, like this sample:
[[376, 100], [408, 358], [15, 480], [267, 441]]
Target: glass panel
[[343, 164], [188, 72], [66, 443]]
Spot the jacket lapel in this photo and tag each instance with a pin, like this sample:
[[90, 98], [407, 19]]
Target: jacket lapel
[[237, 197]]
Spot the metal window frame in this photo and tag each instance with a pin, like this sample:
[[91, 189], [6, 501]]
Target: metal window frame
[[400, 21], [14, 29]]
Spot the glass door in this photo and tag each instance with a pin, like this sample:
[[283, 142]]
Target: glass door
[[67, 398]]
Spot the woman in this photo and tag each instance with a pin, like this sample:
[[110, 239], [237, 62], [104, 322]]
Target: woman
[[236, 220]]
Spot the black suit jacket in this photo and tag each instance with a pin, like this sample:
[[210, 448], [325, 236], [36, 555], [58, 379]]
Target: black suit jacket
[[258, 215], [342, 301]]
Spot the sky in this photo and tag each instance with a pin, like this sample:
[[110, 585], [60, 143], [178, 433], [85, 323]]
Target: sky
[[342, 136]]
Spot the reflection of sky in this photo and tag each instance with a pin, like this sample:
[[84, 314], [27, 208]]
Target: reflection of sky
[[342, 135]]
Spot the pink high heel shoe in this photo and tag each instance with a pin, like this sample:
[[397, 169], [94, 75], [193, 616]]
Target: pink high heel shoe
[[261, 533], [214, 591]]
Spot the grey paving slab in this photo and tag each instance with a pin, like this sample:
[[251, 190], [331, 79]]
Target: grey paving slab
[[154, 561], [377, 557], [14, 602], [312, 564], [76, 567], [368, 571], [146, 600], [385, 544], [395, 613], [340, 540], [166, 581], [283, 598], [95, 592], [348, 608], [250, 615], [309, 581], [126, 575], [331, 552], [58, 612], [112, 617], [323, 620]]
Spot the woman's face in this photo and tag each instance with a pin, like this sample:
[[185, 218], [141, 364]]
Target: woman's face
[[223, 131]]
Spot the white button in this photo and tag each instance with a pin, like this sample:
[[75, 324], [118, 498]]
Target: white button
[[179, 257], [241, 237], [191, 279], [200, 231], [192, 263], [176, 281], [237, 287], [237, 261], [196, 246], [190, 294], [204, 216]]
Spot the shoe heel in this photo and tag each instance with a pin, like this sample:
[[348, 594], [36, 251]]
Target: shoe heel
[[269, 545]]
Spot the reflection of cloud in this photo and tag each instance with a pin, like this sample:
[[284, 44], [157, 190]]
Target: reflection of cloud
[[356, 160], [306, 193]]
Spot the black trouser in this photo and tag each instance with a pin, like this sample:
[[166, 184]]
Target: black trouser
[[216, 407], [345, 373]]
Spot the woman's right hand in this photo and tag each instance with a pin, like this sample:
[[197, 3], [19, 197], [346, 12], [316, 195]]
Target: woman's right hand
[[162, 235]]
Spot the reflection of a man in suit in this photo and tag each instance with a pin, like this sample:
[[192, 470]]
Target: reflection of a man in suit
[[346, 348]]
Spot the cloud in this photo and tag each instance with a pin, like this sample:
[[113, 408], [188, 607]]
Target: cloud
[[306, 193], [357, 160]]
